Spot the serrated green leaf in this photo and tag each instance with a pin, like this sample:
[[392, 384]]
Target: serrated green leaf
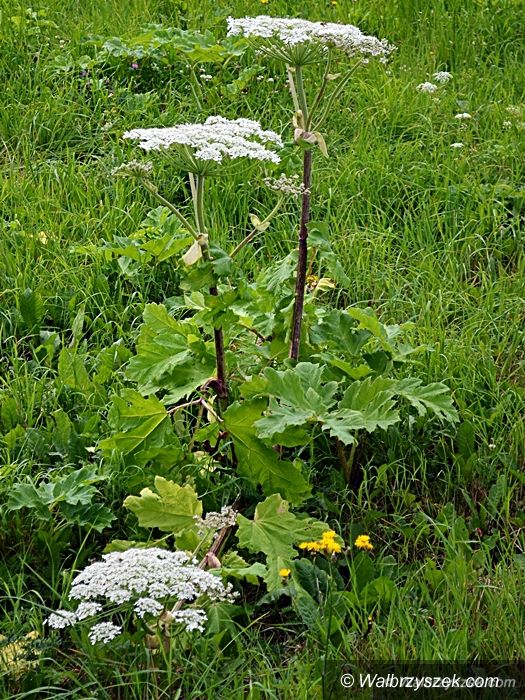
[[298, 396], [274, 531], [366, 405], [166, 246], [310, 577], [139, 424], [94, 515], [259, 462], [233, 565], [369, 321], [432, 397], [171, 356], [171, 509], [338, 330]]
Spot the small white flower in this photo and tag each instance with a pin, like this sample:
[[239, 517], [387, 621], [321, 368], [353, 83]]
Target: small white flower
[[103, 633], [206, 76], [61, 619], [192, 619], [507, 124], [442, 76], [87, 609], [427, 87], [463, 116], [148, 605], [217, 521], [457, 145]]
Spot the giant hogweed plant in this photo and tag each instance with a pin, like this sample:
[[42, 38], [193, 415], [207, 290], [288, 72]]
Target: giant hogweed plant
[[247, 390], [219, 381]]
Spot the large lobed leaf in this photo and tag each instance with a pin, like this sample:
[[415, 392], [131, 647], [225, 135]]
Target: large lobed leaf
[[171, 356], [275, 532], [258, 462], [171, 509]]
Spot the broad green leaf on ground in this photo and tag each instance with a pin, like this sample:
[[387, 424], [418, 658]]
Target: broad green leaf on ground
[[276, 532], [368, 321], [93, 515], [31, 308], [139, 424], [70, 495], [72, 371], [171, 509], [297, 396], [258, 462], [170, 356]]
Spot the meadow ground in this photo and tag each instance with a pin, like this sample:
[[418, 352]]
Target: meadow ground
[[426, 216]]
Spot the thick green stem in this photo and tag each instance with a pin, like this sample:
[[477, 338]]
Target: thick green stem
[[221, 387], [302, 258], [335, 94], [320, 94], [301, 95], [293, 91], [165, 202]]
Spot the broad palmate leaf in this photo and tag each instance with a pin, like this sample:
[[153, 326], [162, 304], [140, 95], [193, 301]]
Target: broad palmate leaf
[[275, 532], [171, 356], [297, 396], [171, 509], [140, 424]]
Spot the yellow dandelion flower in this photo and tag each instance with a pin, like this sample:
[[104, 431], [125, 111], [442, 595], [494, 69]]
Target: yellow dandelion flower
[[363, 542], [326, 544], [264, 2], [284, 573]]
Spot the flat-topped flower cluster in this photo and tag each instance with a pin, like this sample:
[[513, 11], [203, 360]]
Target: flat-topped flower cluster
[[292, 32], [151, 579], [215, 139]]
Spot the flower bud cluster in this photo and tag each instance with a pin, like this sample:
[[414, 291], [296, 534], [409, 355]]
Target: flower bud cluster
[[215, 139], [217, 521], [286, 185], [134, 168], [150, 580]]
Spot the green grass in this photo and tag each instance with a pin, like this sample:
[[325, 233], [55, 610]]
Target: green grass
[[427, 233]]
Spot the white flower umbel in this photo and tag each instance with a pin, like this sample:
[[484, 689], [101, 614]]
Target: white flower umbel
[[457, 145], [427, 87], [463, 116], [212, 141], [147, 581], [293, 32], [442, 76], [103, 633]]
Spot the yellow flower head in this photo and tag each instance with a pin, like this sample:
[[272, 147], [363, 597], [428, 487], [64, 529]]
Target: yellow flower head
[[326, 544], [363, 542], [264, 2], [284, 573]]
